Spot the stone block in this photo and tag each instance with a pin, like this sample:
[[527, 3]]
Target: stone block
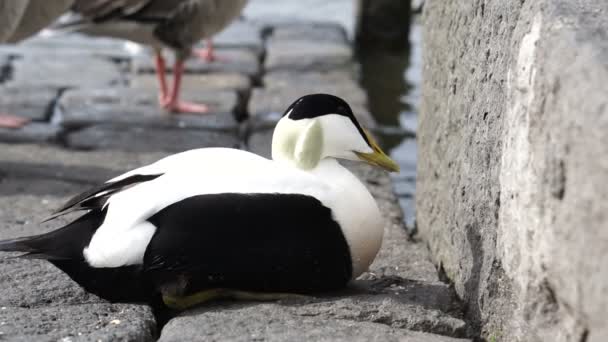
[[241, 34], [29, 101], [147, 139], [73, 44], [92, 322], [197, 82], [286, 78], [135, 106], [39, 302], [307, 56], [279, 322], [512, 190], [34, 161], [242, 61], [53, 69], [307, 31], [32, 132]]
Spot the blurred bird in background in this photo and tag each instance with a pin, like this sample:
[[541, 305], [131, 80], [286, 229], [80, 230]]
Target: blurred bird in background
[[174, 24]]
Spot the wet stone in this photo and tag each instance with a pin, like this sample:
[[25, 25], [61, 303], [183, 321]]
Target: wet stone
[[198, 82], [37, 301], [282, 322], [307, 55], [242, 61], [131, 106], [146, 139], [260, 143], [36, 161], [305, 31], [65, 71], [31, 132], [92, 322], [28, 101], [286, 78], [241, 34], [73, 44]]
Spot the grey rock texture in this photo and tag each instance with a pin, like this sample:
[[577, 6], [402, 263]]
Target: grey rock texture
[[147, 139], [37, 301], [32, 102], [243, 61], [241, 34], [512, 193], [306, 48], [32, 132], [129, 106], [55, 69]]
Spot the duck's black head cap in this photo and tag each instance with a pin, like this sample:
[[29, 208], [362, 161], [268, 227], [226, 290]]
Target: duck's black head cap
[[316, 105]]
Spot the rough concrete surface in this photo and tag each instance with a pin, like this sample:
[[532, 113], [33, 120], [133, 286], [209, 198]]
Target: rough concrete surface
[[512, 193], [32, 102], [57, 70], [128, 106], [240, 60], [147, 139], [37, 301]]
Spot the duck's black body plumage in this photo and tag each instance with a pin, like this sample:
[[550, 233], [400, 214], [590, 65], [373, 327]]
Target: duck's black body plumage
[[253, 242], [256, 242]]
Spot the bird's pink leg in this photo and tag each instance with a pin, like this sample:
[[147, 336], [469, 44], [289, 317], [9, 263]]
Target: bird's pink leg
[[172, 103], [161, 75], [12, 121], [208, 53]]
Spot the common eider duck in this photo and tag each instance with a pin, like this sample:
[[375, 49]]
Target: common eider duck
[[219, 221], [173, 24]]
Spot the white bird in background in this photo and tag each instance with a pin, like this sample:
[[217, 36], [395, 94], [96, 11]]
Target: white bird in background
[[21, 19], [218, 222], [174, 24]]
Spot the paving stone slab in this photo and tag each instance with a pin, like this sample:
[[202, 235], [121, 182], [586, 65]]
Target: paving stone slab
[[130, 106], [198, 82], [28, 101], [35, 161], [65, 70], [242, 61], [266, 105], [72, 44], [306, 55], [308, 31], [272, 322], [92, 322], [5, 59], [286, 78], [37, 301], [32, 132], [146, 139], [241, 34]]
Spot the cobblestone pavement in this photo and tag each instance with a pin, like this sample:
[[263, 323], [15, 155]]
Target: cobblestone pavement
[[94, 114]]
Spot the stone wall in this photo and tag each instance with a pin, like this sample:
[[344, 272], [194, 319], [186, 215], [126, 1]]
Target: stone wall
[[513, 163]]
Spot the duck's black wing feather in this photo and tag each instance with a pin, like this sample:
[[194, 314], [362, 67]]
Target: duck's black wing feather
[[97, 196]]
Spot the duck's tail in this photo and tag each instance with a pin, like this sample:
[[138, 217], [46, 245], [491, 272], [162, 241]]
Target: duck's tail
[[66, 243]]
